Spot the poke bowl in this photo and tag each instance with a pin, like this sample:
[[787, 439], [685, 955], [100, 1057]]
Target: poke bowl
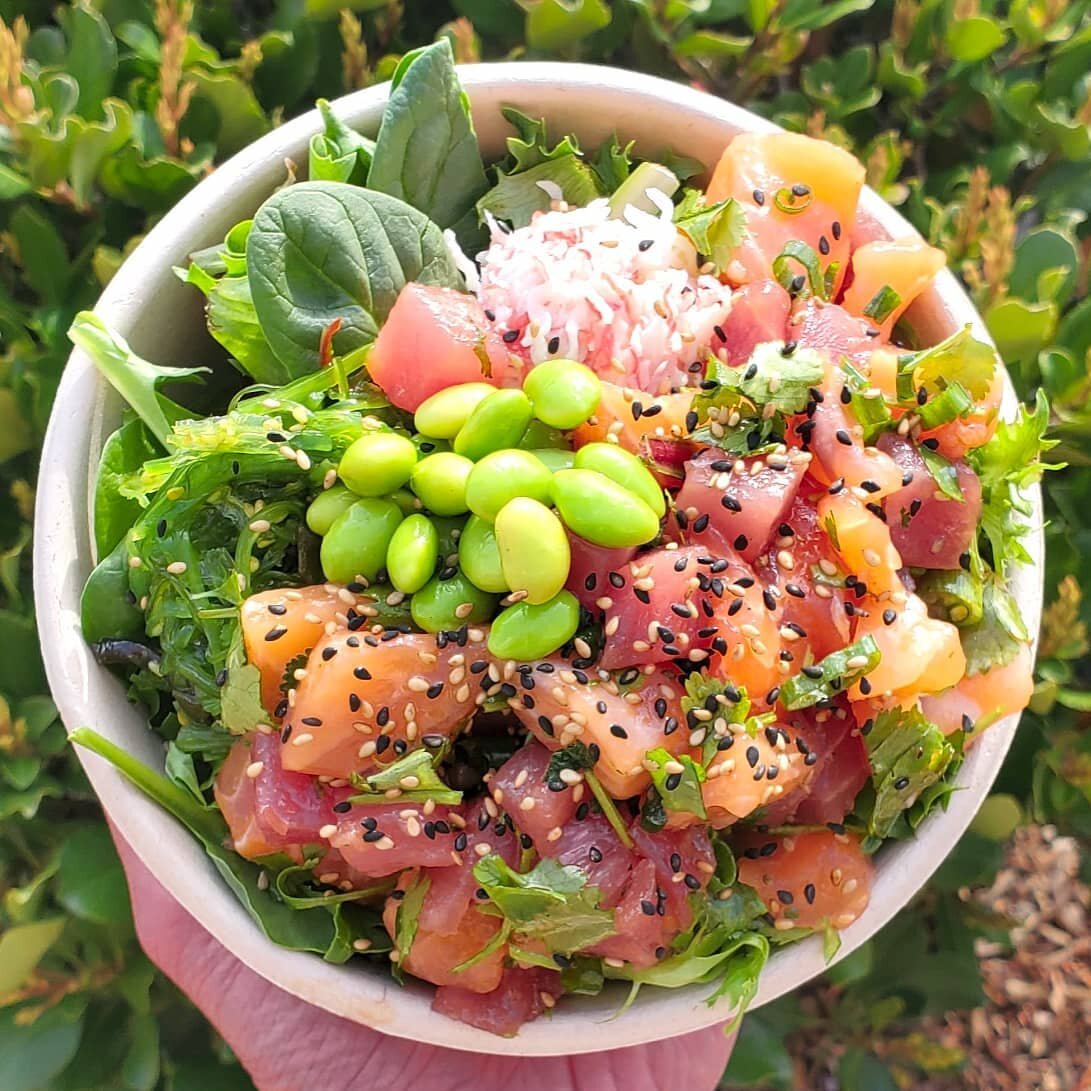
[[825, 344]]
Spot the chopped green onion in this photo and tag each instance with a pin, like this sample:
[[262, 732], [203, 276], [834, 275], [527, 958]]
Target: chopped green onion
[[883, 304]]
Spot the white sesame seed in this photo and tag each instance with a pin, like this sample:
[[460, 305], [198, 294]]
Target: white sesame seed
[[302, 739], [327, 831], [254, 769], [176, 568]]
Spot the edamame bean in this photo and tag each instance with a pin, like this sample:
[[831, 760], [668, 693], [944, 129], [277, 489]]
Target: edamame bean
[[446, 411], [534, 551], [626, 469], [445, 605], [504, 475], [429, 445], [412, 554], [528, 631], [479, 555], [356, 543], [554, 459], [539, 435], [599, 509], [440, 482], [406, 501], [565, 393], [378, 463], [497, 421], [327, 506]]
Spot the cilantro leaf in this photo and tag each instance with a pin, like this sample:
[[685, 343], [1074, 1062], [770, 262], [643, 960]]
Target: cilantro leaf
[[413, 776], [943, 472], [830, 676], [998, 634], [954, 595], [769, 378], [576, 756], [517, 195], [959, 358], [241, 709], [581, 758], [908, 754], [715, 230], [551, 904], [408, 919], [1008, 463], [678, 781]]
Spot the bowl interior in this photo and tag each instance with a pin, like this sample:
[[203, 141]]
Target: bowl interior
[[162, 319]]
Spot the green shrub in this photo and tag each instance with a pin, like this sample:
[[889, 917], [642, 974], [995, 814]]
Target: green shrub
[[973, 117]]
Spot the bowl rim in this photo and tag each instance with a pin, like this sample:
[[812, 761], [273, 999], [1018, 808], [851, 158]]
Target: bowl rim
[[83, 691]]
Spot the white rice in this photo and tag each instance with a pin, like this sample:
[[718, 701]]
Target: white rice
[[621, 295]]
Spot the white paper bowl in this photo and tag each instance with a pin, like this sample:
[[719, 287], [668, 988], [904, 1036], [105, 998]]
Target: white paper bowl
[[162, 319]]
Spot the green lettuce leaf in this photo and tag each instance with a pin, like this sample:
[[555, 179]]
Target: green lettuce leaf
[[959, 358]]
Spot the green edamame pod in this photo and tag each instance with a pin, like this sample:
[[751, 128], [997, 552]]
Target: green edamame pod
[[534, 553], [479, 556], [554, 458], [497, 421], [539, 435], [378, 463], [445, 605], [504, 475], [565, 393], [626, 469], [440, 482], [528, 631], [356, 543], [597, 508], [412, 554], [446, 411], [327, 506]]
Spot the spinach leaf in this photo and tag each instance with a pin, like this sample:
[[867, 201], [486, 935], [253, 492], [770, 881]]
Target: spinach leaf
[[233, 322], [123, 453], [338, 153], [426, 153], [551, 904], [322, 251], [135, 379], [107, 610], [318, 929]]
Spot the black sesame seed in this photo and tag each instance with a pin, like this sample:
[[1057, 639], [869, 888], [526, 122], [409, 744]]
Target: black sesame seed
[[618, 731], [835, 229], [342, 807], [647, 907], [809, 893], [730, 502], [510, 336], [889, 617], [901, 782], [645, 244], [752, 755], [741, 542], [843, 437], [275, 633], [374, 835], [759, 197]]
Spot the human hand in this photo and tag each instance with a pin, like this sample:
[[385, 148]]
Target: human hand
[[288, 1045]]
